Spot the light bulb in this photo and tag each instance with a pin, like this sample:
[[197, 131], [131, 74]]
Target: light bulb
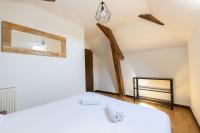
[[103, 14]]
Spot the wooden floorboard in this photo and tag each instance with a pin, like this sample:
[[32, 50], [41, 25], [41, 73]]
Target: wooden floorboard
[[182, 119]]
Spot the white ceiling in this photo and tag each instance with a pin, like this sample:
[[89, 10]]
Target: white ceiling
[[83, 11], [181, 18]]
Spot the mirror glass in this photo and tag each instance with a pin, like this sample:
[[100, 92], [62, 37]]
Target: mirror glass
[[34, 42]]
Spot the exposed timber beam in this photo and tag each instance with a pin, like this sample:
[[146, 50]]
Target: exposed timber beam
[[117, 56], [151, 18], [108, 32]]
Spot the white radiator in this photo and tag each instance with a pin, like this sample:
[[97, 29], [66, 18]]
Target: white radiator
[[8, 100]]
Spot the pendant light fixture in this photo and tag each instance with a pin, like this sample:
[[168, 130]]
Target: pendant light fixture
[[103, 14]]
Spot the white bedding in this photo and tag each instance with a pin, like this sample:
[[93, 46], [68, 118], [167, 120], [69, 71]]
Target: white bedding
[[69, 116]]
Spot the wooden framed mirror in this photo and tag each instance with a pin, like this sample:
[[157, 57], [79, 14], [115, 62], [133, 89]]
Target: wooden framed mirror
[[24, 40]]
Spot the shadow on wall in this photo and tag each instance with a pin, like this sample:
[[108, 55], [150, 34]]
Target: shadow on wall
[[105, 74], [182, 85], [111, 71], [128, 80]]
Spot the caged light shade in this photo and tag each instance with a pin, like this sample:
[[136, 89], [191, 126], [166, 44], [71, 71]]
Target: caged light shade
[[103, 14]]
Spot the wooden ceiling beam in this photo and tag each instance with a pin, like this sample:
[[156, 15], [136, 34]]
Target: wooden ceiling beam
[[117, 56], [108, 32], [151, 18]]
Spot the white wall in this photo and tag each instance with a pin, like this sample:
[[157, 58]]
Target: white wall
[[169, 62], [104, 74], [40, 79], [194, 62], [87, 46]]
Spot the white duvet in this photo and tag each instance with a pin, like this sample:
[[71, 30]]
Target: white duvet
[[69, 116]]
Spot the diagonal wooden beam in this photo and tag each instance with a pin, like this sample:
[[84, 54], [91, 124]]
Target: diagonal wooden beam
[[117, 56], [151, 18], [108, 32]]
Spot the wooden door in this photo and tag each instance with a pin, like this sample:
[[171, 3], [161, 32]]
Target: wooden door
[[89, 70]]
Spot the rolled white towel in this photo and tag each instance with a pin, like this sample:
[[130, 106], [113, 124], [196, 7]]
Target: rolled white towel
[[114, 114], [90, 101]]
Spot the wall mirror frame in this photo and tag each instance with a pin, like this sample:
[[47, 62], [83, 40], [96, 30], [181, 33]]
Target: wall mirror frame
[[55, 46]]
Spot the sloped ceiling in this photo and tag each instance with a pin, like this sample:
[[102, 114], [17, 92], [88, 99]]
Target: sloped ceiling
[[181, 18]]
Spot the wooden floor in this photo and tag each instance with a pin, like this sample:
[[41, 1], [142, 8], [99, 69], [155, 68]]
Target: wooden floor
[[182, 120]]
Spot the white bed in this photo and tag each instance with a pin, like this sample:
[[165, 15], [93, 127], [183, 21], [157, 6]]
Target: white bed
[[69, 116]]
